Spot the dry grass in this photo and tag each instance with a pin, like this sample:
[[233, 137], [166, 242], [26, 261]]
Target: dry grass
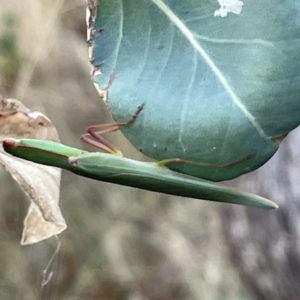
[[121, 243]]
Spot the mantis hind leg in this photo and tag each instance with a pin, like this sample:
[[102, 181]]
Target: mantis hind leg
[[93, 136], [168, 162]]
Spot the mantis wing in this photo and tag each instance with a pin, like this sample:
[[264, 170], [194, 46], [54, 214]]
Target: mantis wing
[[115, 169]]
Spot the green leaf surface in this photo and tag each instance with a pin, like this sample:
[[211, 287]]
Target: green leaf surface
[[215, 89]]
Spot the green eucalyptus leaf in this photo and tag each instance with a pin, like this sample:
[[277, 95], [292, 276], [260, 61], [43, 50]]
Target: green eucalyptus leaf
[[216, 89]]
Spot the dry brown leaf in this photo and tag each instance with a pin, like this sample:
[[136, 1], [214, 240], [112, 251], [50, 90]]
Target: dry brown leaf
[[40, 183]]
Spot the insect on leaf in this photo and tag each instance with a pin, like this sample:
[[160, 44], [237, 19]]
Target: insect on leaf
[[215, 89]]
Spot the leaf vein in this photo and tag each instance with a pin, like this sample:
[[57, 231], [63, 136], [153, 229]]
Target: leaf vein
[[190, 37], [118, 45]]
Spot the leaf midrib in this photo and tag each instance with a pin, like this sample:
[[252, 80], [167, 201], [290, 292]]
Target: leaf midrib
[[216, 71]]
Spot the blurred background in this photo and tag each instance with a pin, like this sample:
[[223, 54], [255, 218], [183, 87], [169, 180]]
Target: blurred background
[[124, 243]]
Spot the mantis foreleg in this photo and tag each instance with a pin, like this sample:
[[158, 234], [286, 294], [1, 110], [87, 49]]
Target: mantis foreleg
[[94, 132]]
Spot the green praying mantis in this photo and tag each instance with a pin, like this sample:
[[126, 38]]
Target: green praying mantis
[[112, 167], [213, 96]]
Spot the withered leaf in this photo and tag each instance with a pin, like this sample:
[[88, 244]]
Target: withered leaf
[[40, 183]]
